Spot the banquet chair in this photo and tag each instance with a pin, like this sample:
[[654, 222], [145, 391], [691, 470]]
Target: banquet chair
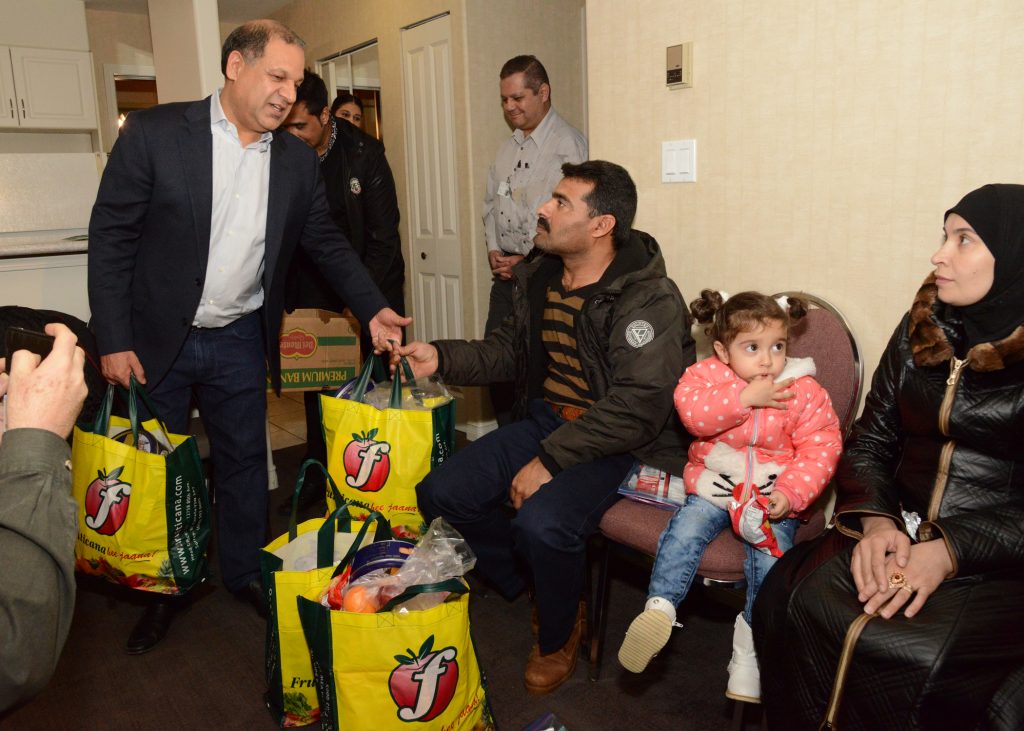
[[632, 528]]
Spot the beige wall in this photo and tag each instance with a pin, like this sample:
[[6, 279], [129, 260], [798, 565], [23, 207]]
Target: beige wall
[[331, 27], [480, 45], [831, 136], [44, 24], [485, 33], [120, 39], [551, 31]]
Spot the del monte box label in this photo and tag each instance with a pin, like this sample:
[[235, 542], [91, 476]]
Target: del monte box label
[[319, 349]]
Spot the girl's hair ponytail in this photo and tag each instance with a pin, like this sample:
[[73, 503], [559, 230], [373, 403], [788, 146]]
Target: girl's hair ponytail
[[727, 316]]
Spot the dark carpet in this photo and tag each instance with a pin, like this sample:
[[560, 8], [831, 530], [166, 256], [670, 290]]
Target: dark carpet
[[208, 672]]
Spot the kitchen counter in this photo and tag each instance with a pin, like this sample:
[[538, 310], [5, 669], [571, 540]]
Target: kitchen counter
[[12, 246]]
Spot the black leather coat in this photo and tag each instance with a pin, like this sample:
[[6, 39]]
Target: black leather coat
[[942, 435], [361, 197]]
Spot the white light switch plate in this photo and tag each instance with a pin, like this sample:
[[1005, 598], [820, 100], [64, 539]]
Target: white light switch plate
[[679, 161]]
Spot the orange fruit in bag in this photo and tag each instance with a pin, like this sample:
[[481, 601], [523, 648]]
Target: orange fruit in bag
[[362, 599]]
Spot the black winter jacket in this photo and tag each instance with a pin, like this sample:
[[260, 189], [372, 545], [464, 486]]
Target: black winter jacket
[[634, 342], [943, 437], [361, 197]]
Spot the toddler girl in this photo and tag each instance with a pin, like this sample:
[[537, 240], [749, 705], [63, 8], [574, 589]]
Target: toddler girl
[[767, 443]]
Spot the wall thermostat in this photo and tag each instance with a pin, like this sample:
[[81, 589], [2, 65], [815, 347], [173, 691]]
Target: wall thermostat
[[679, 66]]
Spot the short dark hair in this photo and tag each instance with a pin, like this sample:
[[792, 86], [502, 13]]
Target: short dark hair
[[533, 71], [313, 93], [344, 98], [614, 193], [250, 39]]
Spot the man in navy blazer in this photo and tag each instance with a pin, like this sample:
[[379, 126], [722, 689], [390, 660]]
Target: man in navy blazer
[[197, 217]]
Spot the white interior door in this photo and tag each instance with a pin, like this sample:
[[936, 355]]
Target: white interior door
[[436, 265]]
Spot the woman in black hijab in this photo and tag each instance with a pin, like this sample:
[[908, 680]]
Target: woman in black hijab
[[910, 613]]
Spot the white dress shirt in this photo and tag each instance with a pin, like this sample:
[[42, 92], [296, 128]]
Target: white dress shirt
[[238, 223]]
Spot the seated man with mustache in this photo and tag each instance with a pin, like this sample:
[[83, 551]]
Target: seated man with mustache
[[596, 341]]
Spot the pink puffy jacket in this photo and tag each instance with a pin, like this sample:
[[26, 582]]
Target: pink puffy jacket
[[794, 451]]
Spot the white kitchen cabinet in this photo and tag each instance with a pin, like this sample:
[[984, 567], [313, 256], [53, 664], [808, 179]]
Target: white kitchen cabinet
[[44, 88], [8, 100]]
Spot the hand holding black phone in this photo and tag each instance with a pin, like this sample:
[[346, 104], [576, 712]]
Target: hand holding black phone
[[19, 338]]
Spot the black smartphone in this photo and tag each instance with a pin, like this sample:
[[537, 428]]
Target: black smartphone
[[19, 338]]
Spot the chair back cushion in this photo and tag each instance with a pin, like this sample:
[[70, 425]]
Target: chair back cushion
[[822, 336]]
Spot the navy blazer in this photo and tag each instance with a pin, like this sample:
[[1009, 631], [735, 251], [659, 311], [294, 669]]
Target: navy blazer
[[149, 236]]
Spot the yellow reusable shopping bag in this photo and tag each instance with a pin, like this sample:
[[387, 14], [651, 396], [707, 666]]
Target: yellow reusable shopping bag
[[378, 456], [297, 561], [143, 508], [369, 677]]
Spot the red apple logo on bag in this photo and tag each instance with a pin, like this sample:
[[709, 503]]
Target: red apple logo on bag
[[367, 464], [106, 502], [424, 683]]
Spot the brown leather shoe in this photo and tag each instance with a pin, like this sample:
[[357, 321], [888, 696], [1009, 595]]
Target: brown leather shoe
[[546, 672]]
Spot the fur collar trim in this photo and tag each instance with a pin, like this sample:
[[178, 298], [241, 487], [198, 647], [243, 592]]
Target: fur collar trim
[[930, 347], [798, 368]]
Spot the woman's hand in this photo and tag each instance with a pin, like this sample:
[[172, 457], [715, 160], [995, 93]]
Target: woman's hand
[[929, 565], [868, 565]]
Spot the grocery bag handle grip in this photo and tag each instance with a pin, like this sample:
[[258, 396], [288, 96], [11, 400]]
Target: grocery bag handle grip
[[299, 482], [396, 386], [383, 533], [102, 422], [453, 586], [340, 519], [372, 366]]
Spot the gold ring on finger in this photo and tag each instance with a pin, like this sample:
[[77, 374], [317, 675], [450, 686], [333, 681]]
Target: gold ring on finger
[[897, 580]]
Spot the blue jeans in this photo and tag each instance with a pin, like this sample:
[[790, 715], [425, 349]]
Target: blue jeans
[[682, 544], [227, 369], [547, 535]]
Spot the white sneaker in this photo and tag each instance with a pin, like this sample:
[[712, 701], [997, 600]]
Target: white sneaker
[[647, 634], [744, 676]]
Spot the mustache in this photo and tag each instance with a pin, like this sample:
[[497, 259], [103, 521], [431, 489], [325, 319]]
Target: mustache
[[543, 223]]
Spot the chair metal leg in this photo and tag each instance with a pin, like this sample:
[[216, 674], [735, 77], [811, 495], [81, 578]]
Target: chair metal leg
[[599, 611]]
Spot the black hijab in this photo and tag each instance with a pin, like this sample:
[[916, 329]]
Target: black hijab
[[996, 212]]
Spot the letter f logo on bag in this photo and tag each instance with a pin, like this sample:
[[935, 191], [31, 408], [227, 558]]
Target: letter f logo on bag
[[424, 683], [106, 502], [367, 464]]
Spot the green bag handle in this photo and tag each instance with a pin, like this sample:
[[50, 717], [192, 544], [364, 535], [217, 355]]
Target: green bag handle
[[396, 386], [339, 520], [372, 366], [453, 586], [383, 534], [299, 482], [134, 392]]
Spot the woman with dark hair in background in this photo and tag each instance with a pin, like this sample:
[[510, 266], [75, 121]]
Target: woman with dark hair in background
[[348, 107], [909, 613]]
